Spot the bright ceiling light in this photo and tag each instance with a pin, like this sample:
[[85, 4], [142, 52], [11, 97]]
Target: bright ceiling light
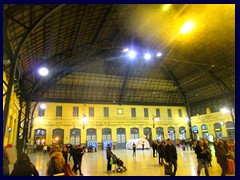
[[187, 27], [159, 54], [225, 110], [43, 71], [147, 56], [125, 50], [132, 54], [43, 106], [165, 8]]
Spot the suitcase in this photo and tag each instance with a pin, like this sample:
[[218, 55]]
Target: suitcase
[[231, 166], [167, 169]]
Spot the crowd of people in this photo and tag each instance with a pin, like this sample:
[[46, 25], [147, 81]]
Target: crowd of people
[[166, 152], [56, 166]]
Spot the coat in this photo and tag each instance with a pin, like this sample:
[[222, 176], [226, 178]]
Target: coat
[[56, 164]]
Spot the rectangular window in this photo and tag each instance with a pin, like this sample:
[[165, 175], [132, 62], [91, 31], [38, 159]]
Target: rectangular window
[[169, 112], [106, 112], [41, 111], [91, 111], [179, 112], [133, 112], [146, 112], [157, 112], [59, 111], [75, 111]]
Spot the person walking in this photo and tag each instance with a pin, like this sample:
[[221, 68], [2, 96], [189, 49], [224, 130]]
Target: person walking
[[109, 155], [134, 149], [154, 147], [65, 154], [24, 167], [171, 156], [208, 150], [221, 155], [202, 158], [161, 152], [79, 154], [142, 145]]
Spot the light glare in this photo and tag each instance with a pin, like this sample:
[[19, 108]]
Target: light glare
[[166, 7], [43, 71], [43, 106], [147, 56], [187, 27], [225, 110], [132, 54], [125, 50]]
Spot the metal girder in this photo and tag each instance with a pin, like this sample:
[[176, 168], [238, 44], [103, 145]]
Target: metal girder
[[102, 25], [79, 28], [14, 60], [124, 86], [185, 100]]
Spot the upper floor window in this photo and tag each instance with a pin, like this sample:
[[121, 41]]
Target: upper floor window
[[169, 112], [106, 112], [75, 111], [41, 111], [59, 111], [133, 110], [146, 112], [91, 111], [157, 112], [179, 112]]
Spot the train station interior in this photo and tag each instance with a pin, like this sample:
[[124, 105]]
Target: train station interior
[[100, 74]]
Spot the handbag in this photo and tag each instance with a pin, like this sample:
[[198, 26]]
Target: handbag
[[167, 169], [67, 170], [111, 161]]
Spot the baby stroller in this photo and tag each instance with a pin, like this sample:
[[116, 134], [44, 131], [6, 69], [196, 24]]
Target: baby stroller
[[119, 167]]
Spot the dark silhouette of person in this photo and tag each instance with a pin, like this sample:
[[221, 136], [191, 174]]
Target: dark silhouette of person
[[24, 167], [171, 156], [134, 149], [109, 155]]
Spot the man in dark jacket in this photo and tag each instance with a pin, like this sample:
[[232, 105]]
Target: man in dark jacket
[[109, 155], [77, 156], [202, 157], [171, 156]]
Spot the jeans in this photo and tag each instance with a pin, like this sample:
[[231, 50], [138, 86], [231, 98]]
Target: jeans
[[202, 162], [109, 166], [174, 163]]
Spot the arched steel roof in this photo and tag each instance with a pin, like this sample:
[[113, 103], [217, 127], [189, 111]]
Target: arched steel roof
[[82, 45]]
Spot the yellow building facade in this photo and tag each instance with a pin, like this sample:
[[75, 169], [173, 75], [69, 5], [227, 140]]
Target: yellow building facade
[[120, 117]]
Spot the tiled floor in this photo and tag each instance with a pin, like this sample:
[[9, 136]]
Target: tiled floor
[[144, 164]]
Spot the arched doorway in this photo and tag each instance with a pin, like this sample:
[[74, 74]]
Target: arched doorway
[[148, 134], [171, 133], [39, 138], [230, 130], [205, 131], [106, 137], [75, 136], [218, 130], [121, 138], [134, 133], [58, 137], [182, 133], [195, 133], [92, 138], [160, 133]]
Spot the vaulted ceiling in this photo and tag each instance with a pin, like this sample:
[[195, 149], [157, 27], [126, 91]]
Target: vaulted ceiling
[[82, 45]]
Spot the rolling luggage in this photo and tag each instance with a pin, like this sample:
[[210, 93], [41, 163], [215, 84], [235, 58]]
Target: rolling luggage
[[231, 166], [167, 169]]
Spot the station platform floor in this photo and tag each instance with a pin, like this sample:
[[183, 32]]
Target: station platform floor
[[144, 164]]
